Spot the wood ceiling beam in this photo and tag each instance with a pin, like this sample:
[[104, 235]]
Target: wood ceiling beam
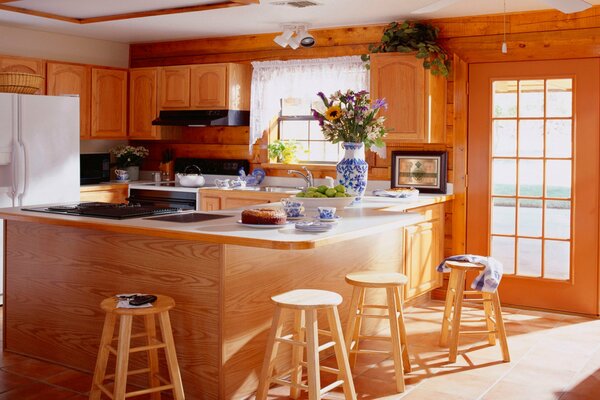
[[40, 14], [137, 14]]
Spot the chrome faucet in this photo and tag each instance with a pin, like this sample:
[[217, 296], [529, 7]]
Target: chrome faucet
[[308, 177]]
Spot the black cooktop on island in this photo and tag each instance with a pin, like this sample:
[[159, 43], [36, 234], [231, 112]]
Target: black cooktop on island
[[106, 210]]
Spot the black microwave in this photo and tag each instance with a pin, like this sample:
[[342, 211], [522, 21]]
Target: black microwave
[[94, 168]]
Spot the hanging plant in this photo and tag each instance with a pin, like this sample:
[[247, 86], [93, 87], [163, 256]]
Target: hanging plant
[[414, 36]]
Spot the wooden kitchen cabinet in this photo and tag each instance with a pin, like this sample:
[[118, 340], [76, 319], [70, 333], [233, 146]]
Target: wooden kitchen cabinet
[[416, 99], [72, 79], [109, 103], [221, 199], [24, 64], [208, 88], [174, 88], [423, 251], [115, 193], [143, 103]]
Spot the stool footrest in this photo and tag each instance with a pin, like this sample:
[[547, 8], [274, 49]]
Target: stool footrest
[[149, 390], [369, 337], [332, 386], [133, 372], [378, 306], [280, 381], [323, 368], [367, 351], [287, 339], [324, 332], [363, 315], [147, 347], [134, 336], [105, 391], [325, 346], [477, 332]]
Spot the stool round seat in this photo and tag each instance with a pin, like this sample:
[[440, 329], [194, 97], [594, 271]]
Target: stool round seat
[[308, 299], [467, 266], [162, 304], [376, 279]]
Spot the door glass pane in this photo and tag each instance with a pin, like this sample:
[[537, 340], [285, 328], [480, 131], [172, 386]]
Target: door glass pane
[[558, 178], [503, 249], [531, 98], [504, 174], [504, 99], [558, 138], [504, 140], [294, 130], [559, 97], [531, 138], [529, 257], [558, 219], [558, 259], [530, 217], [531, 177], [503, 216]]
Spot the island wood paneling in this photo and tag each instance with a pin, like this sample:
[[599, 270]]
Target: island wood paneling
[[84, 266]]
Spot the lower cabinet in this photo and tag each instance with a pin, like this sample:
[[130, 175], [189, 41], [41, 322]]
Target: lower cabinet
[[104, 193], [214, 199], [423, 251]]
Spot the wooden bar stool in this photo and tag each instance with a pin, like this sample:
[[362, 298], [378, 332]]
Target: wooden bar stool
[[305, 303], [122, 350], [453, 310], [392, 282]]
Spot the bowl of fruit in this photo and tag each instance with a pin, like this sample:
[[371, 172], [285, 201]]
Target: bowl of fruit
[[325, 196]]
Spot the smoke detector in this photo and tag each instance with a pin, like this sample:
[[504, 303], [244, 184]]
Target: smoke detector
[[296, 3]]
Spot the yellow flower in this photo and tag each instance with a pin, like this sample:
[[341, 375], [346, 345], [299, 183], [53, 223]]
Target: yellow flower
[[333, 113]]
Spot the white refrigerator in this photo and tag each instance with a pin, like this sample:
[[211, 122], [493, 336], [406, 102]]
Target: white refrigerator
[[39, 153]]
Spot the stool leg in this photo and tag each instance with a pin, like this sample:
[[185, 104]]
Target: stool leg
[[354, 323], [395, 335], [487, 307], [270, 354], [150, 326], [312, 356], [122, 357], [458, 300], [340, 353], [103, 353], [402, 326], [171, 355], [450, 296], [500, 327], [297, 353]]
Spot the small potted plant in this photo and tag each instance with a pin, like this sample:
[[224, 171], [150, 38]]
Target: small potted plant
[[130, 158], [284, 151]]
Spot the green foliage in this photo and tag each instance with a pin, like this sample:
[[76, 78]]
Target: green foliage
[[411, 36], [284, 150]]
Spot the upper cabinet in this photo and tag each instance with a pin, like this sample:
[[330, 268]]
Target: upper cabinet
[[174, 88], [416, 99], [72, 80], [22, 64], [143, 103], [205, 87], [109, 103]]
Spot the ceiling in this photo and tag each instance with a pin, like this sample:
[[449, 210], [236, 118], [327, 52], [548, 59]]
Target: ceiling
[[263, 18]]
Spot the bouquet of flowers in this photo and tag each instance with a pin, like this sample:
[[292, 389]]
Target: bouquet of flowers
[[351, 117], [129, 156]]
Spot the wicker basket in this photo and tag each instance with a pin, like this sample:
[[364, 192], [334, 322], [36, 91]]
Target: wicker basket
[[20, 82]]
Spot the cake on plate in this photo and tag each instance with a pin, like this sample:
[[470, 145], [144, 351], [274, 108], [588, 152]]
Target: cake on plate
[[264, 216]]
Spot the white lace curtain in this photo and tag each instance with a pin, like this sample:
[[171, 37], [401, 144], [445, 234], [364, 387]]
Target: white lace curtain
[[274, 80]]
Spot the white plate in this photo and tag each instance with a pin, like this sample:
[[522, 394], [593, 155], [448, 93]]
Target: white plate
[[334, 219], [262, 226], [313, 226], [296, 218]]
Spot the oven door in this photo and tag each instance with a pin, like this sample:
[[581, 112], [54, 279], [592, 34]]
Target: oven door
[[163, 198]]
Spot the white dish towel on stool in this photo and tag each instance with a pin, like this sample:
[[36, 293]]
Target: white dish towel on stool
[[488, 280]]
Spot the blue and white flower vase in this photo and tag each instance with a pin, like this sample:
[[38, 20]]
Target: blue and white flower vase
[[353, 170]]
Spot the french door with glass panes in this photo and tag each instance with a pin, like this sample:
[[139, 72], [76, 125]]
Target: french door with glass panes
[[532, 195]]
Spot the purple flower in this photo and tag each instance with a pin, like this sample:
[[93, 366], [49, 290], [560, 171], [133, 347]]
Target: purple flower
[[324, 98], [318, 117], [379, 103]]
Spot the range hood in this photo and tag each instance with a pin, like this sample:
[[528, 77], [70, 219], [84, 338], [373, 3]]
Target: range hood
[[203, 118]]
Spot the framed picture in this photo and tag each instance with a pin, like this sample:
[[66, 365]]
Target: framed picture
[[423, 170]]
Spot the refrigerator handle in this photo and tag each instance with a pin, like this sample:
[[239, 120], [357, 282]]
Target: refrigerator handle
[[20, 163]]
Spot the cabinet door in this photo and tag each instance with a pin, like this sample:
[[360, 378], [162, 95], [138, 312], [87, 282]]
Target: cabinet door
[[109, 103], [22, 64], [68, 80], [174, 88], [422, 252], [113, 195], [143, 103], [210, 203], [209, 87], [416, 99]]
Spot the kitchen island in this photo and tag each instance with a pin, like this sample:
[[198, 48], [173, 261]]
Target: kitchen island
[[221, 275]]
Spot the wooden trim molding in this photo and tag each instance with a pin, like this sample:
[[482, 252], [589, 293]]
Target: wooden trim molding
[[130, 15]]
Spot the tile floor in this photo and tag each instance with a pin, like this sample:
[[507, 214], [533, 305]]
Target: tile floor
[[554, 357]]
